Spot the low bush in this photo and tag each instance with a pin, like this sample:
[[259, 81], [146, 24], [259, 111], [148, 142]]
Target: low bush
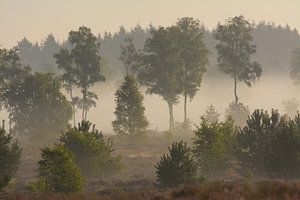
[[177, 167], [92, 154], [58, 171]]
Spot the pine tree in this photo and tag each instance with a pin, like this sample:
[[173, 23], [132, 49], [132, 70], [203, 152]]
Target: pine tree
[[211, 114], [130, 111]]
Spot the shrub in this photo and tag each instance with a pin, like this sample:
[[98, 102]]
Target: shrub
[[283, 161], [213, 147], [269, 145], [10, 154], [254, 141], [92, 154], [59, 171], [176, 167]]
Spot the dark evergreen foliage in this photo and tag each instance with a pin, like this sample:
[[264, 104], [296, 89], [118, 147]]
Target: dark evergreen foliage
[[10, 154], [130, 111], [177, 167]]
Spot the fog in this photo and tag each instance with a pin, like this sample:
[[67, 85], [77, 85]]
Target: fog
[[266, 93]]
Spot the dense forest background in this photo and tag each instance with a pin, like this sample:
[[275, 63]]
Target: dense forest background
[[275, 44]]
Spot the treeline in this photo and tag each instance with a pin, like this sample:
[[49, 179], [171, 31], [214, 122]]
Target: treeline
[[275, 44]]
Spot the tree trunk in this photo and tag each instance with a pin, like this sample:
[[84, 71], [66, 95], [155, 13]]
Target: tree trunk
[[184, 109], [9, 121], [171, 119], [73, 107], [84, 104], [235, 90]]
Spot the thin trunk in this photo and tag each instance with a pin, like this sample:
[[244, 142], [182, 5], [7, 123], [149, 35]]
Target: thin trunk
[[185, 110], [85, 114], [235, 90], [84, 104], [9, 121], [171, 119], [73, 107]]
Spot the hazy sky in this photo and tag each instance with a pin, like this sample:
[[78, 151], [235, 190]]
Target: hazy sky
[[34, 19]]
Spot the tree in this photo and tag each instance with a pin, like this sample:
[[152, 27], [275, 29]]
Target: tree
[[193, 57], [177, 167], [38, 108], [254, 141], [161, 71], [82, 64], [130, 111], [235, 49], [92, 154], [129, 56], [64, 62], [48, 49], [283, 160], [59, 170], [211, 114], [11, 74], [295, 66], [269, 145], [213, 147], [10, 154]]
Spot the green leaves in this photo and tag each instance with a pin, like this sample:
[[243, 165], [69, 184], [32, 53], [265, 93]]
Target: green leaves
[[81, 67], [130, 111], [235, 50], [269, 144], [213, 147], [58, 170], [92, 153], [177, 167]]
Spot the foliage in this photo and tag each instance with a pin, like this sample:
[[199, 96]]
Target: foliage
[[213, 147], [130, 111], [10, 154], [283, 160], [254, 141], [269, 145], [92, 154], [81, 66], [33, 101], [129, 56], [234, 50], [211, 114], [161, 70], [36, 103], [37, 186], [238, 113], [295, 66], [193, 56], [177, 167], [57, 167]]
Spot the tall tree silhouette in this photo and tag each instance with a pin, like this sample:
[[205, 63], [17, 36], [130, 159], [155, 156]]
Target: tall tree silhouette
[[235, 49]]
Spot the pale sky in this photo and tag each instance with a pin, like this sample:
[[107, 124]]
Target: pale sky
[[35, 19]]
